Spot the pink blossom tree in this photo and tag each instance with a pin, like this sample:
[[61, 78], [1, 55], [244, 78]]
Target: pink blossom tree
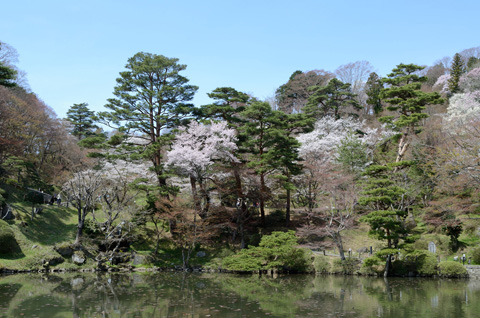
[[195, 150]]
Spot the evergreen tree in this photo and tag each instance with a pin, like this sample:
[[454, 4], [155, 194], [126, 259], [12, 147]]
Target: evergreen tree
[[387, 217], [331, 99], [405, 98], [228, 103], [152, 98], [473, 62], [82, 120], [7, 76], [373, 89], [457, 70], [284, 153], [258, 133]]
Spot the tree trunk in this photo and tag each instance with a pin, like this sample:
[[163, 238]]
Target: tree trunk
[[387, 265], [79, 226], [193, 183], [337, 238], [238, 180], [288, 203], [205, 200], [262, 199], [402, 149]]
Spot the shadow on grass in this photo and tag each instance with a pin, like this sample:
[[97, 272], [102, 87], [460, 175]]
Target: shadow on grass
[[49, 227], [14, 253]]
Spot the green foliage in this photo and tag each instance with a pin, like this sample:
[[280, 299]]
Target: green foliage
[[382, 195], [475, 254], [352, 154], [228, 102], [8, 244], [451, 269], [422, 263], [453, 228], [7, 76], [473, 62], [348, 266], [91, 228], [34, 197], [331, 99], [321, 264], [82, 120], [457, 70], [373, 89], [151, 99], [405, 97], [275, 251], [373, 265], [3, 197]]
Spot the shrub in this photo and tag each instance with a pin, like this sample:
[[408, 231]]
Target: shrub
[[475, 254], [3, 196], [8, 244], [348, 266], [451, 269], [321, 264], [275, 251], [421, 263], [373, 265]]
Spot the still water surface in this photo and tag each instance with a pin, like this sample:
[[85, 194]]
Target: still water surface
[[183, 295]]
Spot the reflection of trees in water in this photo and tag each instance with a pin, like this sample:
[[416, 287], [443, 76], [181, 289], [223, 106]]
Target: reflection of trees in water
[[188, 295], [276, 296]]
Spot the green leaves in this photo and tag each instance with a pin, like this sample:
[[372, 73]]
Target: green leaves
[[274, 251], [152, 99], [404, 96], [331, 99], [7, 76]]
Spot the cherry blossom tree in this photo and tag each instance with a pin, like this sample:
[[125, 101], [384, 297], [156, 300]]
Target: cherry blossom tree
[[106, 194], [464, 107], [195, 151], [328, 134], [337, 198], [320, 148]]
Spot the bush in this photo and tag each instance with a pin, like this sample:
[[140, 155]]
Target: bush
[[373, 265], [276, 251], [475, 254], [3, 196], [8, 244], [348, 266], [321, 264], [421, 263], [451, 269]]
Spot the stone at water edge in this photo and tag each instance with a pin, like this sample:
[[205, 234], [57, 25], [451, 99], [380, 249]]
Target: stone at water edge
[[78, 258]]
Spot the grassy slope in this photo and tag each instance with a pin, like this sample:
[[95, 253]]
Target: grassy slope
[[56, 225]]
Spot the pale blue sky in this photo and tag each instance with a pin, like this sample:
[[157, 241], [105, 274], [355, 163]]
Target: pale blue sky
[[73, 51]]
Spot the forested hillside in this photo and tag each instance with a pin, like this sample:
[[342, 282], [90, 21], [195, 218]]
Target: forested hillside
[[154, 179]]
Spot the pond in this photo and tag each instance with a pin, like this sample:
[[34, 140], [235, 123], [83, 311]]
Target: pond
[[138, 295]]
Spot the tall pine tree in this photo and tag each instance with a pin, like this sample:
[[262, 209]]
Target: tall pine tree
[[407, 102], [82, 120], [457, 70]]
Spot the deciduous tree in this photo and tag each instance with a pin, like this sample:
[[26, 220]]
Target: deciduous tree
[[194, 152]]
